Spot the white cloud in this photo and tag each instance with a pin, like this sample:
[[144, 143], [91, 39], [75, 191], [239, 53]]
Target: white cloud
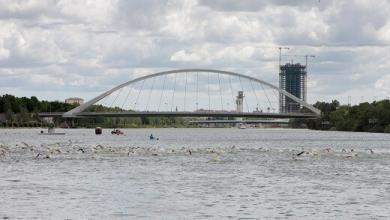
[[91, 45], [182, 55], [384, 32], [383, 84]]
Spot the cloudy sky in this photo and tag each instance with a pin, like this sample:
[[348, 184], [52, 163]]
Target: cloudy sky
[[55, 49]]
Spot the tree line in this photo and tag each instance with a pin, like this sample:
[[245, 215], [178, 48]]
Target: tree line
[[364, 117], [23, 112]]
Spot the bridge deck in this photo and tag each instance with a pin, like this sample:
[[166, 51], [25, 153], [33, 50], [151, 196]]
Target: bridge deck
[[182, 114], [256, 121]]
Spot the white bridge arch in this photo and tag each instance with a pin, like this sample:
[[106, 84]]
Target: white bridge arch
[[78, 110]]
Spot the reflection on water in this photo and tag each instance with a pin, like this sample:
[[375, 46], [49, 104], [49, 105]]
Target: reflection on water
[[195, 173]]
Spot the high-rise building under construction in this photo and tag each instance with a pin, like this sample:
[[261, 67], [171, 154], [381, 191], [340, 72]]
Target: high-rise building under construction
[[292, 78]]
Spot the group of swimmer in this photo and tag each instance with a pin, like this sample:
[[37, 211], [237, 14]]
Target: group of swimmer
[[3, 150], [47, 151], [351, 152]]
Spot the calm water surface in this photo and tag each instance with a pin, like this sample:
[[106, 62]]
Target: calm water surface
[[194, 174]]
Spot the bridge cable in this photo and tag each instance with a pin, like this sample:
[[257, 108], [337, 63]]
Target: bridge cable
[[162, 93], [127, 96], [120, 91], [231, 89], [197, 90], [276, 94], [150, 93], [208, 88], [266, 96], [104, 100], [254, 92], [185, 93], [173, 94], [142, 86], [220, 90], [242, 89]]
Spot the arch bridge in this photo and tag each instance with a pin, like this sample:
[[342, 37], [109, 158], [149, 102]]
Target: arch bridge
[[192, 93]]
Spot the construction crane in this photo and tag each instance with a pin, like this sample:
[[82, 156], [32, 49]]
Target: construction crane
[[280, 54], [280, 48], [298, 55]]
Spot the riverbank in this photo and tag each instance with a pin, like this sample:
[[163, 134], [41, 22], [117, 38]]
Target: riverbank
[[367, 117]]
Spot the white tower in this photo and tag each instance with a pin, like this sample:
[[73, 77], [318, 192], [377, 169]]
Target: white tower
[[240, 101]]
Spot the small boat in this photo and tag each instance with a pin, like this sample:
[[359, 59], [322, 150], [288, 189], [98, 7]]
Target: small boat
[[51, 131], [117, 132], [57, 133], [241, 126], [151, 137], [98, 130]]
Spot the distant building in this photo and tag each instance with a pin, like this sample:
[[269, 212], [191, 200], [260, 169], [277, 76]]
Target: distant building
[[292, 78], [240, 101], [74, 100]]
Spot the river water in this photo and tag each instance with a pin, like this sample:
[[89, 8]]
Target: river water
[[194, 174]]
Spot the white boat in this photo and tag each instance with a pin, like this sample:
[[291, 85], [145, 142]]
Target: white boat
[[241, 126], [51, 131]]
